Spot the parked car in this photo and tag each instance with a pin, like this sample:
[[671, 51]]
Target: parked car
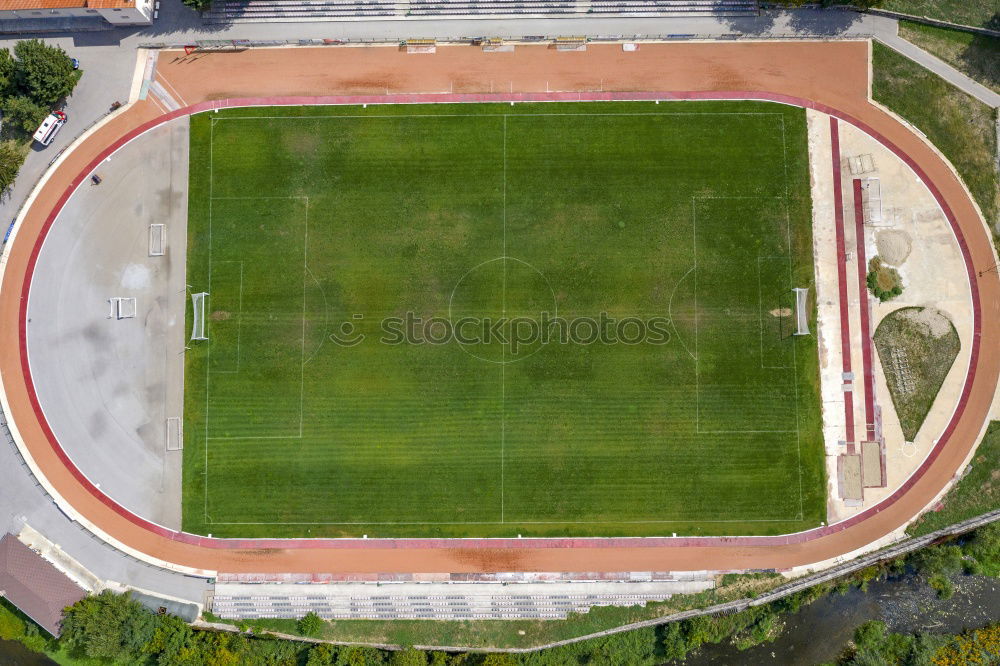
[[50, 127]]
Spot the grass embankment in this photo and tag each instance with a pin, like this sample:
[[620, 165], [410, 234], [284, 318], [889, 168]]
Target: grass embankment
[[978, 56], [917, 347], [304, 220], [978, 492], [961, 127], [977, 13]]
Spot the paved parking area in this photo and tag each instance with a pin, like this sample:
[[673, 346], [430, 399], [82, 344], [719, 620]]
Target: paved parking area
[[107, 381]]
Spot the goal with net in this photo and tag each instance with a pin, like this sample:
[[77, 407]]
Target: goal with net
[[801, 318], [198, 305]]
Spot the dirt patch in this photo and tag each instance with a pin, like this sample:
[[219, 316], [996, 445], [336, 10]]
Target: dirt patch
[[893, 246], [931, 322], [220, 315], [781, 312]]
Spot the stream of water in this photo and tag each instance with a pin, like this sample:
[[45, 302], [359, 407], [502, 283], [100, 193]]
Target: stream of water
[[820, 631]]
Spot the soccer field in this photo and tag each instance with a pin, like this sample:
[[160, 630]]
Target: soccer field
[[490, 320]]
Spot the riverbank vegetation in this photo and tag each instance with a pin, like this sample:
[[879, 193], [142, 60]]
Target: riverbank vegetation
[[874, 644], [976, 493]]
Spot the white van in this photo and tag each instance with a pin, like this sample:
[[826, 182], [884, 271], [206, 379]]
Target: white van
[[50, 127]]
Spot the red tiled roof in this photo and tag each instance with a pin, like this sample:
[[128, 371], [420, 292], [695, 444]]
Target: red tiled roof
[[10, 5], [13, 5], [110, 4], [32, 584]]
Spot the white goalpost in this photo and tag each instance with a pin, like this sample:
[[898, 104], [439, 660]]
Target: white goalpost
[[198, 327], [801, 318]]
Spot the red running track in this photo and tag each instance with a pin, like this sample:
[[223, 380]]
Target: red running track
[[262, 547]]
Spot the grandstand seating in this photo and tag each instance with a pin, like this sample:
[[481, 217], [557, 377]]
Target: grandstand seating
[[249, 11], [459, 606]]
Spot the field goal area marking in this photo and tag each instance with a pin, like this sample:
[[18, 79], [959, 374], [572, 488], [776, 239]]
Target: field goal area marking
[[505, 116]]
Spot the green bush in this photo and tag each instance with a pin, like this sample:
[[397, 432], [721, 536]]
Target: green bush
[[942, 584], [310, 624], [884, 282]]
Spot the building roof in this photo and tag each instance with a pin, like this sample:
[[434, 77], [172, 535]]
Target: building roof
[[37, 588], [13, 5]]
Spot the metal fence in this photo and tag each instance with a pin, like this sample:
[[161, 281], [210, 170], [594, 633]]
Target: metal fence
[[244, 44]]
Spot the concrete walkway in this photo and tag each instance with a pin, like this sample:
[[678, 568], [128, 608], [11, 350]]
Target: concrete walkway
[[939, 67]]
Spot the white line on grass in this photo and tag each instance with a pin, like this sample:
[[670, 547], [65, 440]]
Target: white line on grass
[[302, 358], [503, 349], [524, 522], [694, 254], [672, 318], [488, 115], [208, 344], [795, 365]]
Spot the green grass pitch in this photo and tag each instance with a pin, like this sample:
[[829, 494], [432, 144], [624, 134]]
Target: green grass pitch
[[309, 219]]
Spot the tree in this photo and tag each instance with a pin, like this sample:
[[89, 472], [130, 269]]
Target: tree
[[675, 645], [171, 638], [409, 657], [23, 113], [499, 659], [359, 656], [985, 548], [198, 5], [321, 655], [7, 66], [310, 624], [43, 72], [109, 626], [12, 156]]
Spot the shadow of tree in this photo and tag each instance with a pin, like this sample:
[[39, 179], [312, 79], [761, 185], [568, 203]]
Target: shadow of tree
[[751, 25], [994, 22], [822, 21], [981, 59]]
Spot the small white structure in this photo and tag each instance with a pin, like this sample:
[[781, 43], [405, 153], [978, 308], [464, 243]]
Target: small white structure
[[198, 327], [157, 240], [801, 317], [122, 308]]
